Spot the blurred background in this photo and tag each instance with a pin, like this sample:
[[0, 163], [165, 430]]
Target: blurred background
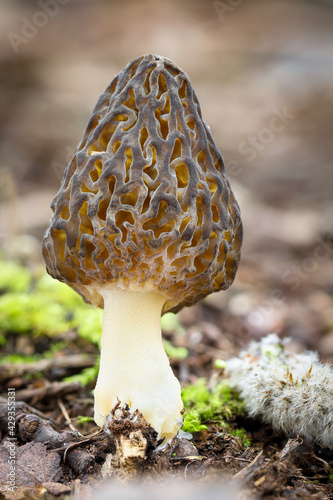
[[263, 72]]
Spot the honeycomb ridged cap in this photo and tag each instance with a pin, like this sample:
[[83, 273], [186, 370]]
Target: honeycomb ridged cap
[[145, 202]]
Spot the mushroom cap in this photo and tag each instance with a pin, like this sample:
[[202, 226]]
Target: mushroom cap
[[145, 202]]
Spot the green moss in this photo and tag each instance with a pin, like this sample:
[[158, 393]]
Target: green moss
[[43, 306], [193, 422], [22, 359], [219, 405], [88, 322], [13, 277], [36, 304], [39, 307], [2, 339], [220, 364], [54, 349], [33, 376], [242, 434], [86, 376], [35, 313], [18, 359], [59, 292], [81, 419], [170, 323], [175, 352]]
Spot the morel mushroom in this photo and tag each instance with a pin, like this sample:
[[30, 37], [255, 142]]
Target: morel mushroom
[[144, 222]]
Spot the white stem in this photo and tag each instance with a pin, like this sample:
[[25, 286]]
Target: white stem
[[134, 367]]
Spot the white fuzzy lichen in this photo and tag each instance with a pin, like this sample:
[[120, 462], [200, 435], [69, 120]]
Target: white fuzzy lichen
[[291, 392]]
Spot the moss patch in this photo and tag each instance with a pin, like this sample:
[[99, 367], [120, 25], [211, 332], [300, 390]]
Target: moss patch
[[219, 405]]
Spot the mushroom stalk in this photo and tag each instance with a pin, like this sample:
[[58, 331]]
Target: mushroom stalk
[[134, 367], [145, 201]]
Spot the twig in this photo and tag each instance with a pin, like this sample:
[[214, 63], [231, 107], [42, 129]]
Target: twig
[[50, 390], [325, 464], [94, 434], [88, 439], [291, 446], [85, 441], [67, 418], [11, 370], [251, 468]]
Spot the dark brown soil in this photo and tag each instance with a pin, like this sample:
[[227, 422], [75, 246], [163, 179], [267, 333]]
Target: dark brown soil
[[60, 457]]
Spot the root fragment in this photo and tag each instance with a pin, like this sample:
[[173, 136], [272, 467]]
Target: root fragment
[[133, 439]]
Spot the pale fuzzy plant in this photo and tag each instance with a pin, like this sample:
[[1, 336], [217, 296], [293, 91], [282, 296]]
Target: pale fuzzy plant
[[291, 392]]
